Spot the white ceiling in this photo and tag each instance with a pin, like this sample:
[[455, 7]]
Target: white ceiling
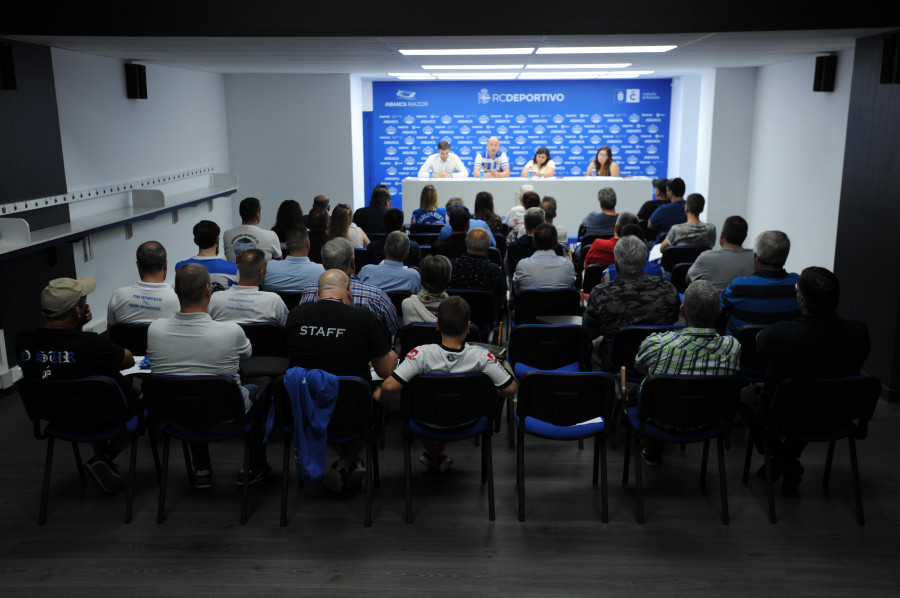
[[374, 57]]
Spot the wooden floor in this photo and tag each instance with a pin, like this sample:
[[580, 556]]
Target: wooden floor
[[816, 548]]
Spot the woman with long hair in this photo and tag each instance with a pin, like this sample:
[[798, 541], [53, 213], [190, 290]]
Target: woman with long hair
[[289, 215], [435, 272], [429, 212], [340, 225], [541, 165], [603, 164], [484, 210]]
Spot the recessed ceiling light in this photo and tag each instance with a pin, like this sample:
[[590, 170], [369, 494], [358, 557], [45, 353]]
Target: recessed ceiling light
[[468, 52], [612, 65], [471, 67], [476, 76], [605, 50]]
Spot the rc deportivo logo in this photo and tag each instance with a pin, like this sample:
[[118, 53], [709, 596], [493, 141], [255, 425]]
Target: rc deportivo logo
[[484, 96]]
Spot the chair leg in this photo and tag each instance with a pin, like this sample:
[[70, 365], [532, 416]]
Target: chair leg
[[857, 486], [245, 488], [511, 422], [161, 507], [154, 449], [285, 479], [520, 475], [79, 464], [370, 448], [828, 461], [376, 473], [407, 474], [627, 445], [45, 488], [596, 459], [604, 512], [486, 446], [581, 444], [703, 461], [747, 456], [770, 484], [723, 489], [132, 467], [187, 463], [638, 481]]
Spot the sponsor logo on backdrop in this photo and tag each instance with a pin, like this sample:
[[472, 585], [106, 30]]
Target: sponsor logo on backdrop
[[558, 118], [595, 139], [465, 150], [391, 130], [520, 140], [652, 149], [634, 118], [615, 129], [409, 140], [576, 170], [409, 161], [521, 119], [632, 139], [390, 150], [428, 130], [408, 119], [632, 160], [577, 129], [653, 129], [520, 161], [650, 170], [482, 140], [576, 149], [427, 150], [595, 118], [465, 130], [557, 139], [486, 97], [446, 119], [403, 94], [393, 190], [483, 119], [502, 129], [540, 129], [391, 171]]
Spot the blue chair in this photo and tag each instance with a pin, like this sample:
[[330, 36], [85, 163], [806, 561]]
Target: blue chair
[[444, 408], [565, 406], [84, 410], [527, 305], [484, 310], [131, 336], [269, 356], [819, 411], [683, 409], [354, 417], [197, 409], [752, 367]]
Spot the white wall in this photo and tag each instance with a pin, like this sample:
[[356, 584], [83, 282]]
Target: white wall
[[684, 128], [292, 137], [107, 138], [797, 158]]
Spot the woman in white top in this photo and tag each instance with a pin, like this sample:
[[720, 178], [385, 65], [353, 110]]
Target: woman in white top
[[435, 272], [541, 165], [603, 164], [340, 225]]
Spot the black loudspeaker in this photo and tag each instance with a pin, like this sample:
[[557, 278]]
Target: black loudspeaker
[[826, 67], [890, 59], [7, 69], [136, 81]]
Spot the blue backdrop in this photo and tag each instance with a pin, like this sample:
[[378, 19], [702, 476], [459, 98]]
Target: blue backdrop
[[572, 118]]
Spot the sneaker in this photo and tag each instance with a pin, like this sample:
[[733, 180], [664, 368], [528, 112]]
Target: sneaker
[[202, 478], [105, 474], [335, 476], [651, 459], [356, 477], [426, 460], [444, 463], [440, 464], [256, 475]]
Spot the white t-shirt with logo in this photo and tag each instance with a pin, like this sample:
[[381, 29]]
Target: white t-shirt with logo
[[248, 305], [249, 236], [142, 303], [438, 359]]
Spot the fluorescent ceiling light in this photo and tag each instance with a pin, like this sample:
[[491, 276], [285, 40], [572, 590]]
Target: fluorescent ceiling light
[[471, 67], [476, 76], [612, 65], [605, 50], [468, 52], [558, 76], [411, 75], [583, 74]]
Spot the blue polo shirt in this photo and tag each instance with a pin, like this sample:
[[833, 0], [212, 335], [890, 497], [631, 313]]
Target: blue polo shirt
[[667, 216], [765, 298], [390, 276]]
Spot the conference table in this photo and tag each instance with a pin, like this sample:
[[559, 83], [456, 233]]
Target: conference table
[[575, 196]]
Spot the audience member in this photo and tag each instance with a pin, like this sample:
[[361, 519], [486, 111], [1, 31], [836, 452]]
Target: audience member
[[429, 211], [319, 201], [544, 269], [435, 272], [454, 245], [667, 216], [523, 246], [340, 226], [370, 218], [603, 222], [516, 214], [296, 271], [393, 220], [318, 233], [289, 215], [661, 198], [768, 295], [721, 266], [601, 250], [61, 350], [473, 270], [452, 356], [650, 268], [548, 204], [244, 303], [249, 235], [484, 211], [149, 299], [692, 233], [447, 230], [222, 273], [391, 275]]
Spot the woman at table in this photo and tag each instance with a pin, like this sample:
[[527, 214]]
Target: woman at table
[[429, 212], [541, 165], [340, 225], [603, 164]]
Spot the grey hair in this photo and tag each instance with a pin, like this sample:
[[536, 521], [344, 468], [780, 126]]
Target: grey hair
[[607, 197], [396, 245], [631, 255], [337, 254], [477, 242], [624, 219], [701, 304], [772, 248], [523, 189], [534, 217], [435, 272]]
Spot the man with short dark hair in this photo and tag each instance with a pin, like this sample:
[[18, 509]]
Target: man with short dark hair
[[444, 164], [61, 350], [473, 269], [391, 275], [523, 246], [602, 222], [601, 250], [544, 269], [454, 245], [370, 218], [295, 272], [244, 303], [667, 216], [516, 215], [149, 299], [249, 235], [222, 273], [393, 220], [692, 233], [768, 295], [661, 198], [447, 230], [721, 266], [318, 233]]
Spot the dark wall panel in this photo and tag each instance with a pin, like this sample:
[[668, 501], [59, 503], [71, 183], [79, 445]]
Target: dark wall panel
[[870, 212]]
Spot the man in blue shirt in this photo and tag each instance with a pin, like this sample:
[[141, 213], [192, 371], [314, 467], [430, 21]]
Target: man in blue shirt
[[603, 222], [667, 216], [295, 272], [222, 273], [447, 230], [391, 275]]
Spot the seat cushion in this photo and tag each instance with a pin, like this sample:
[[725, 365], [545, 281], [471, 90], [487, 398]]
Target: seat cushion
[[542, 429], [659, 433]]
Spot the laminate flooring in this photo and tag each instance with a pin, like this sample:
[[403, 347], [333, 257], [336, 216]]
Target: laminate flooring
[[451, 549]]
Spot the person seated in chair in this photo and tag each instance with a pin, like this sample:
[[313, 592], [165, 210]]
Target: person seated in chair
[[393, 220], [149, 299], [244, 303], [692, 233], [296, 271], [545, 269], [451, 356], [435, 272]]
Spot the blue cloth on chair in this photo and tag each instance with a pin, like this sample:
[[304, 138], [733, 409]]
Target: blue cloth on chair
[[313, 395]]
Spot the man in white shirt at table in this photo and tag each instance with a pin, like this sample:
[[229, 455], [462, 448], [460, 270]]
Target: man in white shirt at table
[[444, 164], [494, 163]]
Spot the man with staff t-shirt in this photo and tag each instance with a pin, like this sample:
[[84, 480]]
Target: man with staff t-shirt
[[494, 163]]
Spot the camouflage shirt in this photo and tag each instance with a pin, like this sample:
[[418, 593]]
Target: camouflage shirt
[[626, 301]]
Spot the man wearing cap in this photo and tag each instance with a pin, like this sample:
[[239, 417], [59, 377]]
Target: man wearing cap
[[61, 350]]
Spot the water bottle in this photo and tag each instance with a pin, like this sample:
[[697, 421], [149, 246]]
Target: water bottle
[[481, 174], [530, 173]]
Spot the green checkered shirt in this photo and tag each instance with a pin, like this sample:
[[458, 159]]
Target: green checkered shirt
[[689, 351]]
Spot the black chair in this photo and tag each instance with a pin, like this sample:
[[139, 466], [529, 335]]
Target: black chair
[[448, 407], [424, 239], [493, 254], [376, 236], [414, 335], [432, 229], [83, 410], [565, 406], [592, 276], [527, 305], [500, 240], [819, 411], [484, 310], [584, 246], [269, 356], [197, 409], [683, 409], [678, 255], [360, 258], [397, 298], [291, 300], [751, 366], [131, 336], [353, 418], [625, 346], [679, 276]]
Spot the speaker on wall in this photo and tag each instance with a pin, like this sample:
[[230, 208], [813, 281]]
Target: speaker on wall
[[826, 67], [7, 68], [890, 59], [136, 81]]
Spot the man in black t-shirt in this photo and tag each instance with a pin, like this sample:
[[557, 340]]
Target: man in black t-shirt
[[333, 335], [61, 350]]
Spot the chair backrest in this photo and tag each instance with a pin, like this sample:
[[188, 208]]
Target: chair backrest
[[131, 336], [679, 276], [425, 228], [685, 403], [824, 407], [90, 404], [483, 306], [195, 402], [291, 300], [500, 240], [566, 399], [424, 238], [530, 304], [548, 347], [352, 413], [397, 298], [592, 276], [449, 400], [676, 255], [626, 342], [360, 258], [746, 336], [495, 256], [267, 340], [413, 335]]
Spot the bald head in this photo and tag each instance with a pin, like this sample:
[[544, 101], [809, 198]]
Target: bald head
[[493, 146], [334, 284], [477, 241]]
